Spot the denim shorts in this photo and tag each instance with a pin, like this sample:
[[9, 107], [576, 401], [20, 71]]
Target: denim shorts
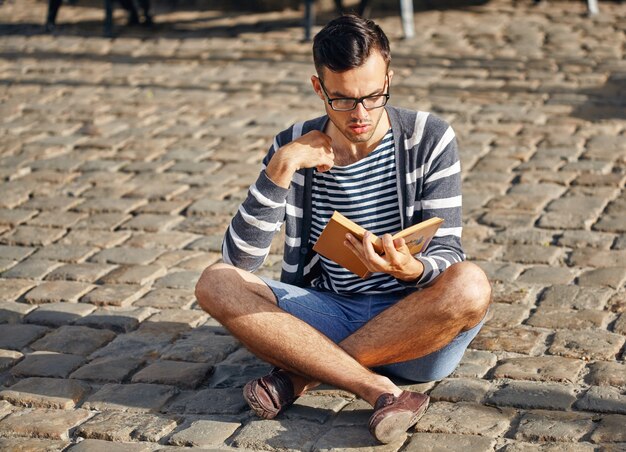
[[338, 316]]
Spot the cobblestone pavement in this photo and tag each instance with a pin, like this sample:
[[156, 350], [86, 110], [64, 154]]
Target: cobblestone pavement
[[121, 162]]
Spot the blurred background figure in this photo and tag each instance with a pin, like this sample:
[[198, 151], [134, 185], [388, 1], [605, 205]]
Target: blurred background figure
[[128, 5]]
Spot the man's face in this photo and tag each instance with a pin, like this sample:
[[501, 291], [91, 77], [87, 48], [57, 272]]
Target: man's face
[[357, 125]]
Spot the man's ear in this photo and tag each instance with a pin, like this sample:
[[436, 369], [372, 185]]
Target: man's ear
[[390, 75], [317, 87]]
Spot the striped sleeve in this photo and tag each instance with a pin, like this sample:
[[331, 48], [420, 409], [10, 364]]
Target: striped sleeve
[[249, 236], [441, 197]]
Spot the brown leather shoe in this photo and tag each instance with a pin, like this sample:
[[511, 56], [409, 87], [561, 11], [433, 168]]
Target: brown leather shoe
[[269, 395], [393, 416]]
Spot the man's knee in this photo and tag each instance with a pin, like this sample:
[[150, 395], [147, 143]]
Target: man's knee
[[473, 288], [212, 287]]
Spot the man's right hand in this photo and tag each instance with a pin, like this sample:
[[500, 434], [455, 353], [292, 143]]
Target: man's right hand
[[312, 149]]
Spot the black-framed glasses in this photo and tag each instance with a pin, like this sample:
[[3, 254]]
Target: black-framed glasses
[[350, 103]]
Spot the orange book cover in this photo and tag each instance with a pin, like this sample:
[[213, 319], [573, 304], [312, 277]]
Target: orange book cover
[[330, 243]]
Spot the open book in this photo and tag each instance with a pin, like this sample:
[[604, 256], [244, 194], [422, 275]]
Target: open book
[[330, 243]]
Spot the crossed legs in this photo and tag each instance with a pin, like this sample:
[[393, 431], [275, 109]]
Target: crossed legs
[[243, 303]]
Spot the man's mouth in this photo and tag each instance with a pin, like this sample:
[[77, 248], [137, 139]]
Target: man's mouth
[[360, 128]]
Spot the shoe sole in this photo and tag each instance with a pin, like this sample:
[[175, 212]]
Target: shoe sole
[[391, 427]]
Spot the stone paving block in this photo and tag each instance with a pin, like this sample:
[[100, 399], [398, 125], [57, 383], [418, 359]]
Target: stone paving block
[[189, 317], [32, 444], [98, 445], [133, 274], [31, 269], [200, 345], [532, 254], [508, 219], [84, 272], [610, 430], [204, 433], [163, 207], [175, 373], [316, 407], [530, 395], [613, 277], [497, 271], [46, 393], [134, 398], [506, 315], [32, 236], [151, 222], [171, 240], [465, 419], [16, 337], [13, 217], [584, 239], [141, 343], [65, 253], [167, 299], [284, 434], [575, 297], [586, 344], [108, 370], [173, 258], [209, 401], [540, 368], [54, 220], [57, 203], [569, 319], [553, 426], [236, 376], [110, 205], [587, 257], [17, 253], [40, 423], [11, 312], [100, 239], [602, 373], [126, 256], [58, 314], [178, 280], [158, 190], [519, 339], [119, 427], [77, 340], [460, 390], [120, 320], [121, 295], [610, 223], [603, 399], [514, 293], [57, 291], [45, 364], [354, 438], [475, 364], [435, 442], [104, 221], [547, 275], [8, 358], [520, 446]]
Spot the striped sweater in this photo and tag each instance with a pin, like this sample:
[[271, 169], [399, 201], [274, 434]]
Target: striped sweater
[[428, 184]]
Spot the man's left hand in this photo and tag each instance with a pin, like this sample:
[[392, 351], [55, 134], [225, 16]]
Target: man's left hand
[[397, 260]]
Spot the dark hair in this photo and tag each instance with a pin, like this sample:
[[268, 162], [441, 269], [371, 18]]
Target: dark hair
[[346, 42]]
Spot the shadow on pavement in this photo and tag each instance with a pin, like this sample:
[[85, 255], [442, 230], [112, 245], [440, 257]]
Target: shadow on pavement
[[605, 102]]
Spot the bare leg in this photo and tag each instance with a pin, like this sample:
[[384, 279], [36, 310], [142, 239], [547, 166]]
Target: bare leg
[[239, 301], [455, 302]]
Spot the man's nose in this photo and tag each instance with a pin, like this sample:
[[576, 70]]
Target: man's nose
[[360, 111]]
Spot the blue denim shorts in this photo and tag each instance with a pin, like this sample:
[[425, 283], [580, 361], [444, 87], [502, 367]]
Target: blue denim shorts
[[338, 316]]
